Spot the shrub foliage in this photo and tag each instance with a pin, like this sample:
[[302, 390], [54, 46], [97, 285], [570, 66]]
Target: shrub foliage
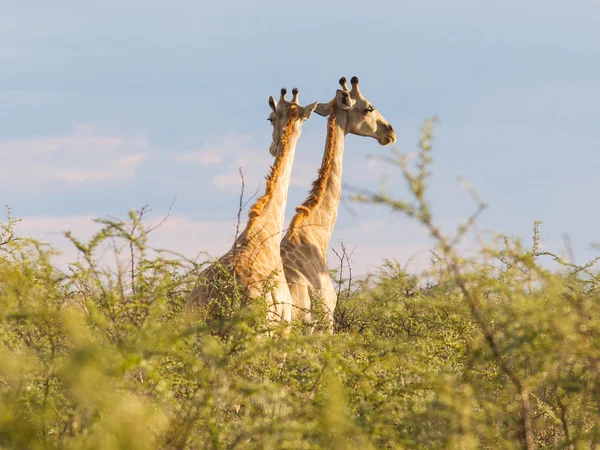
[[492, 350]]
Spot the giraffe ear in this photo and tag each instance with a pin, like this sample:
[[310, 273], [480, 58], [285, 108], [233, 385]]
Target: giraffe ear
[[343, 100], [323, 109], [307, 110], [272, 104]]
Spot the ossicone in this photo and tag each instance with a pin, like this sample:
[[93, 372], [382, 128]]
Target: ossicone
[[343, 84], [282, 96]]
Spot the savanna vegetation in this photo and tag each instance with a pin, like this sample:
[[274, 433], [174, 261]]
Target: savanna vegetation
[[489, 350]]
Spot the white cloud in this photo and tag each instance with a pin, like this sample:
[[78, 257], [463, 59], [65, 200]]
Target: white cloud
[[201, 157], [371, 241], [86, 155], [368, 258], [132, 160], [78, 176], [230, 152], [227, 180], [190, 238]]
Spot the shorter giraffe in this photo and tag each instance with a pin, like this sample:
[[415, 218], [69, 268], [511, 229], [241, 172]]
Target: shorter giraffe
[[252, 268], [304, 246]]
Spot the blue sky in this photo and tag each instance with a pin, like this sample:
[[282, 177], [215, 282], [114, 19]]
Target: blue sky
[[112, 105]]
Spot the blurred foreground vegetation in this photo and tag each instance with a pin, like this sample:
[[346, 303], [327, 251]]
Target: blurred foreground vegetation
[[489, 351]]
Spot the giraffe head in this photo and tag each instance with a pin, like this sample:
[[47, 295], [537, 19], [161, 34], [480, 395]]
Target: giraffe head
[[362, 118], [285, 114]]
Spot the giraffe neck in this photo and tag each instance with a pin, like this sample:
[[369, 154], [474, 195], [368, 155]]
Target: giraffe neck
[[266, 216], [315, 218]]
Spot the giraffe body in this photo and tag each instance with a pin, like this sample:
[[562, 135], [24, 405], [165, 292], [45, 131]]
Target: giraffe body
[[304, 246], [252, 268]]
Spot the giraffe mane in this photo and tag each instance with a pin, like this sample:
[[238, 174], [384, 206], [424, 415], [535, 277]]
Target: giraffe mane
[[315, 195], [257, 209]]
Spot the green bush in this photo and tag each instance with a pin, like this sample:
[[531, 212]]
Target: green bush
[[489, 351]]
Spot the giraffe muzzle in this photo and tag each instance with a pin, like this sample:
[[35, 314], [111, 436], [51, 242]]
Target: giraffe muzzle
[[388, 139]]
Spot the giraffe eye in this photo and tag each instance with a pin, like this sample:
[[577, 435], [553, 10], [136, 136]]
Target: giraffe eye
[[369, 110], [270, 119]]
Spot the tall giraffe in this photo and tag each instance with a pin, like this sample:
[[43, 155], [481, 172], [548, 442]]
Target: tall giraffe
[[304, 246], [254, 262]]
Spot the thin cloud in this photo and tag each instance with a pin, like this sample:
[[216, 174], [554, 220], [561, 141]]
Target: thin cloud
[[229, 153], [178, 234], [86, 155], [371, 241], [203, 158], [132, 160]]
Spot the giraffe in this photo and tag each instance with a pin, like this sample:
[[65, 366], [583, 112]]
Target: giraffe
[[253, 264], [304, 246]]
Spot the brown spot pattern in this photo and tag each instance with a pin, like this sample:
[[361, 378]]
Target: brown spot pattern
[[257, 209], [315, 195]]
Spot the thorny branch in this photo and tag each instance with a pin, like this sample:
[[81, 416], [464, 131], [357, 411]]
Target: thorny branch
[[420, 211]]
